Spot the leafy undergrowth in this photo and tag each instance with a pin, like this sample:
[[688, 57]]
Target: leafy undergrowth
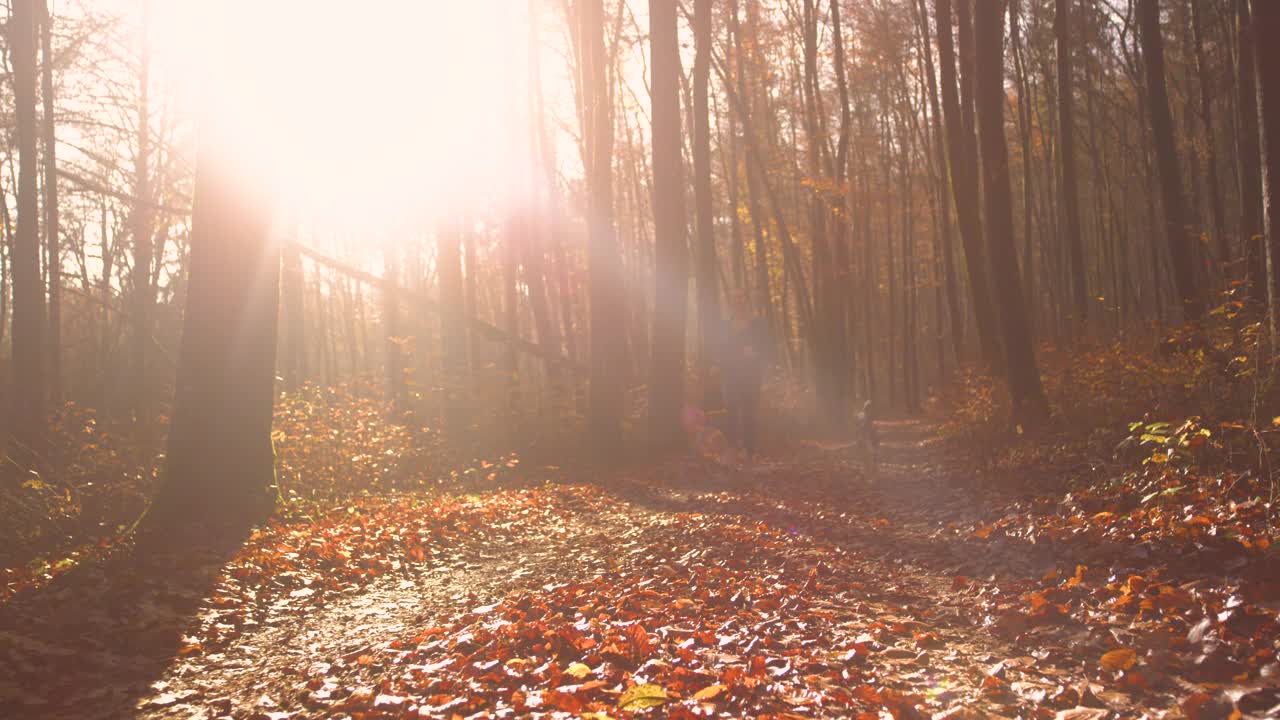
[[77, 498], [1150, 499]]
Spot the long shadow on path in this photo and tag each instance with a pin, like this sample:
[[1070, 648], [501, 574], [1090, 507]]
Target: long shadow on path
[[91, 643]]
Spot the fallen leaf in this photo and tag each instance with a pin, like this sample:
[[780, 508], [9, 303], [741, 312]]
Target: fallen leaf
[[642, 696], [1121, 659], [709, 692]]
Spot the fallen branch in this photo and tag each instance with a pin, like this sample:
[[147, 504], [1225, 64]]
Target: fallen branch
[[487, 330]]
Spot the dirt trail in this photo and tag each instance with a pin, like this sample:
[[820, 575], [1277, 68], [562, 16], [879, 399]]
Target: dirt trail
[[866, 573]]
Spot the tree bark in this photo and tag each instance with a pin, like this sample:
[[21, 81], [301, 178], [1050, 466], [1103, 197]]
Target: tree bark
[[52, 251], [28, 417], [946, 251], [964, 186], [666, 381], [295, 346], [1266, 19], [1171, 194], [142, 219], [1025, 390], [1211, 155], [607, 339], [706, 266], [1067, 156], [220, 465], [453, 328], [1249, 151]]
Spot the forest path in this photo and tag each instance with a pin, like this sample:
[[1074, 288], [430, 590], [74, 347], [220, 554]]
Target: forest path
[[801, 585]]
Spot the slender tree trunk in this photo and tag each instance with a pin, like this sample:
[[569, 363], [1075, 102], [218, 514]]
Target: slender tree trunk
[[841, 295], [453, 328], [1266, 18], [295, 346], [1028, 161], [1211, 153], [1171, 195], [946, 251], [53, 251], [392, 334], [142, 218], [1067, 156], [28, 416], [742, 108], [1249, 150], [1025, 390], [705, 239]]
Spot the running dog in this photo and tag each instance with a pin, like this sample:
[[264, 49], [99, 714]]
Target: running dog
[[864, 430]]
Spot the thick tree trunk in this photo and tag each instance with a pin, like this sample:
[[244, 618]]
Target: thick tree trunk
[[1025, 390], [822, 333], [964, 185], [607, 338], [946, 251], [1171, 194], [220, 464], [671, 275], [28, 411]]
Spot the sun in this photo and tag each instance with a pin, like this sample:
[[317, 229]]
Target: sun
[[379, 112]]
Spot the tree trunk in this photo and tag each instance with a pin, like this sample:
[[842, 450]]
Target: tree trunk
[[220, 464], [964, 185], [295, 346], [1025, 390], [1067, 156], [947, 253], [52, 251], [1266, 19], [453, 328], [822, 332], [607, 339], [28, 417], [141, 216], [392, 335], [666, 380], [1249, 150], [706, 266], [1211, 154], [1171, 195]]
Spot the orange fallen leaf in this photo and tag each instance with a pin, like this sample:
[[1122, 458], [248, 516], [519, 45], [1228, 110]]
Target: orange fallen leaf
[[1121, 659]]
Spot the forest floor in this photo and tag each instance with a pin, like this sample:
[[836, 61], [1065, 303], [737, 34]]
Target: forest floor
[[802, 586]]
